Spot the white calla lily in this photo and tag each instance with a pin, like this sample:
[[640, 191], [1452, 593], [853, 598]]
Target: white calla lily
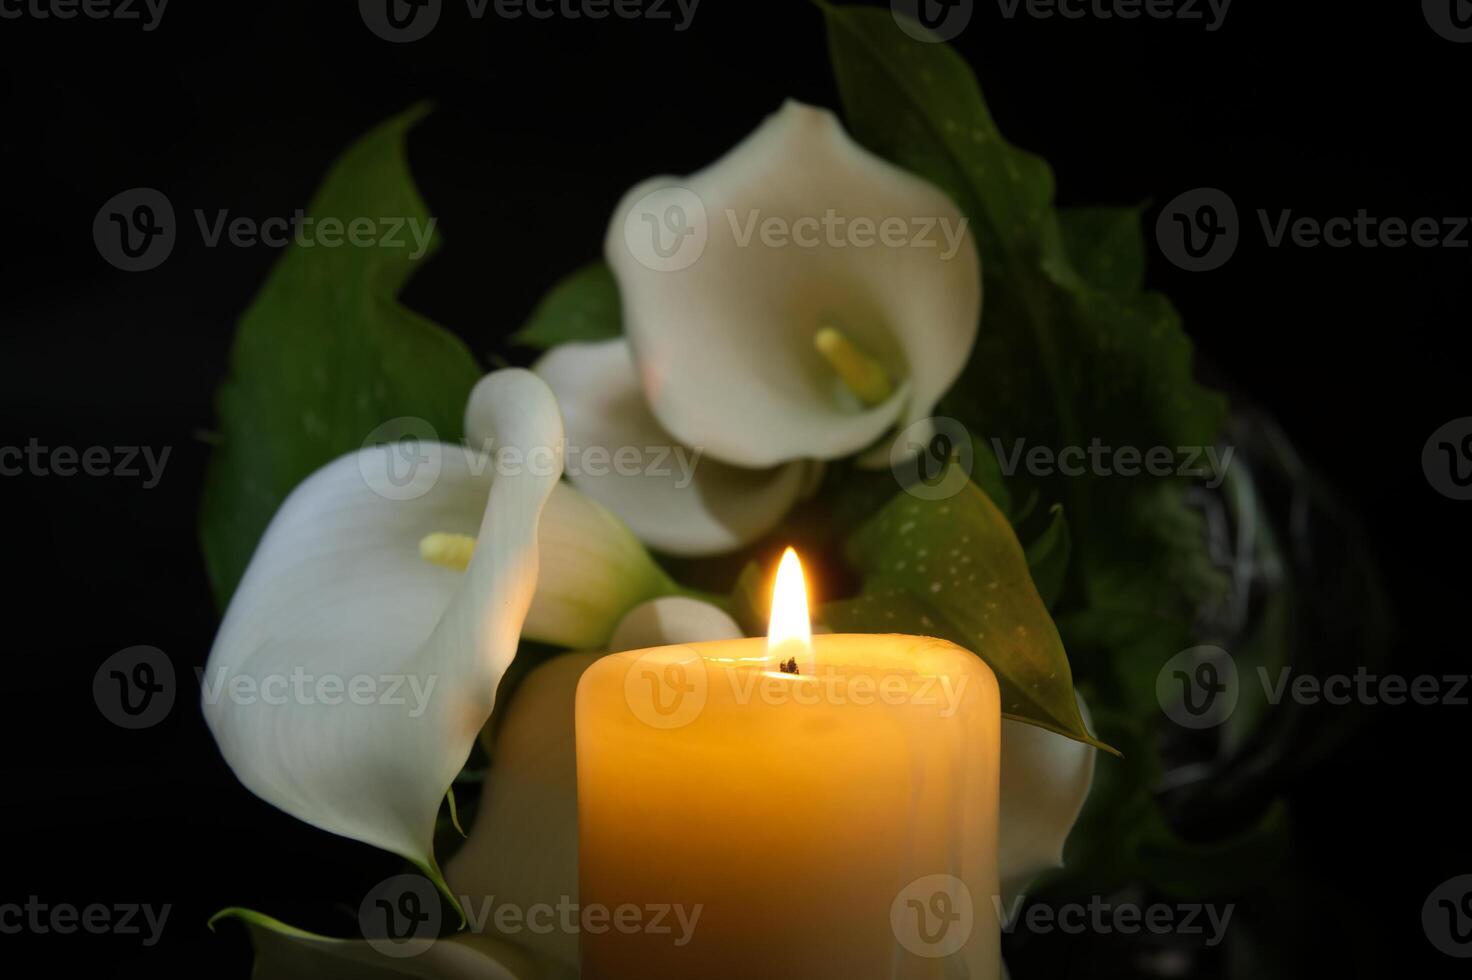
[[797, 298], [670, 497], [338, 611]]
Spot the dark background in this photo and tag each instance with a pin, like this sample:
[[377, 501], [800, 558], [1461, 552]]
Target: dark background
[[1360, 354]]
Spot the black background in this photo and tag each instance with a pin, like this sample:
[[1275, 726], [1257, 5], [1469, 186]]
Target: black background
[[1360, 353]]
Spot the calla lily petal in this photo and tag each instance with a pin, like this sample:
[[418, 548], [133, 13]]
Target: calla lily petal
[[336, 594], [287, 953], [671, 498], [672, 620], [523, 845], [724, 318], [1045, 781], [593, 571]]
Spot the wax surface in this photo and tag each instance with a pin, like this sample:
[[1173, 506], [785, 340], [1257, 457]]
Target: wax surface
[[805, 819]]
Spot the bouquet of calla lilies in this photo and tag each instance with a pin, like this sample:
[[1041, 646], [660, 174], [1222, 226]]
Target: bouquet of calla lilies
[[791, 344]]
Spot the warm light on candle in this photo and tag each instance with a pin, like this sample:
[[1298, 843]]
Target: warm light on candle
[[790, 630]]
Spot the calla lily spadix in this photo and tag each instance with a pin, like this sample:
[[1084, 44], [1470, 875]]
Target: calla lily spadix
[[794, 301]]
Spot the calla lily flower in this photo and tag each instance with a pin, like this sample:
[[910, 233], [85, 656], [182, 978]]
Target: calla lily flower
[[794, 301], [386, 607]]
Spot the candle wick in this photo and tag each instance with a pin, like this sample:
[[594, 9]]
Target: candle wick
[[789, 666]]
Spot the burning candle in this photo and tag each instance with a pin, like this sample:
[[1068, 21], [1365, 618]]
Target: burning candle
[[806, 806]]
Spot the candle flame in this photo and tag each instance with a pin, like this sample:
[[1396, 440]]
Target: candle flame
[[790, 630]]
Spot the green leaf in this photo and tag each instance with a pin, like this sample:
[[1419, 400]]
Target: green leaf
[[1047, 558], [582, 307], [1060, 360], [1106, 246], [325, 354], [953, 568]]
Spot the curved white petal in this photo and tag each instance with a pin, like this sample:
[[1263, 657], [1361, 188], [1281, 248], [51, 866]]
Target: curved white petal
[[671, 498], [350, 678], [523, 845], [722, 316], [593, 572], [1045, 781], [675, 619]]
